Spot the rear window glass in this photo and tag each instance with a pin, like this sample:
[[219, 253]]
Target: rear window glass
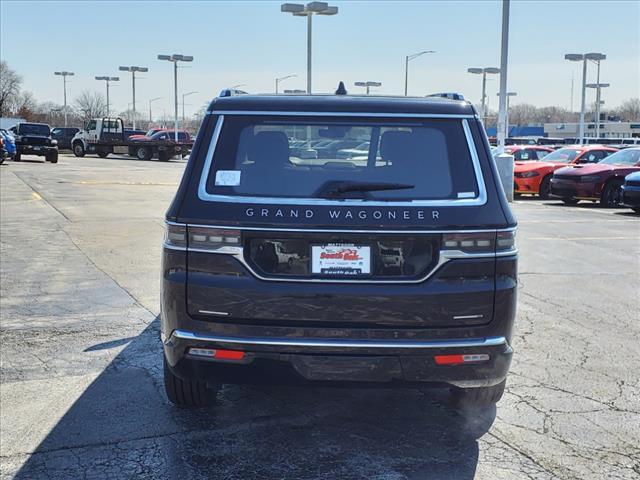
[[390, 160]]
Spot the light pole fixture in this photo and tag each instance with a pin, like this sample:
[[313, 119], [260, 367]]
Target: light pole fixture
[[64, 76], [150, 102], [368, 85], [508, 94], [133, 71], [175, 58], [280, 79], [483, 72], [108, 80], [185, 95], [579, 57], [407, 59], [598, 86], [308, 10]]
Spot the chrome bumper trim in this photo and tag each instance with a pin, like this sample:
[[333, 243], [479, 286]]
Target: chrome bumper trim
[[338, 343]]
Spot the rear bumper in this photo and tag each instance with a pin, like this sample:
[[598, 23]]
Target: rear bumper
[[302, 360]]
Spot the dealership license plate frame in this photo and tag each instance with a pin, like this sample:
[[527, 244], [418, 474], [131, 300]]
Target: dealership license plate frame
[[340, 267]]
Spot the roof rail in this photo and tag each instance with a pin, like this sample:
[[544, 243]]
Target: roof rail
[[232, 92], [450, 95]]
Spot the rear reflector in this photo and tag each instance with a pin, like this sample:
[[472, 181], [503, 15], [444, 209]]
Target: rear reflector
[[459, 359], [217, 354]]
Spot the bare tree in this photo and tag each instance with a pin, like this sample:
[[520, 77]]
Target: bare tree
[[628, 111], [91, 104], [10, 83]]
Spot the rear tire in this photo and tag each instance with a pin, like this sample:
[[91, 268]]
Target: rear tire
[[163, 156], [52, 157], [636, 209], [611, 196], [478, 397], [144, 153], [17, 157], [186, 393], [103, 153], [570, 201], [545, 188], [78, 149]]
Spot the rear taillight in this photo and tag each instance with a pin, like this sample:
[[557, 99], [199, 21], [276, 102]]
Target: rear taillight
[[506, 241], [479, 242], [213, 239], [175, 236]]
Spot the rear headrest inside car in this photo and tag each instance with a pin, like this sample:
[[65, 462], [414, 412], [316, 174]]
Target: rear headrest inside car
[[395, 145], [268, 149]]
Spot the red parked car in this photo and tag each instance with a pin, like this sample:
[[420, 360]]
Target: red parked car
[[597, 182], [523, 153], [535, 177]]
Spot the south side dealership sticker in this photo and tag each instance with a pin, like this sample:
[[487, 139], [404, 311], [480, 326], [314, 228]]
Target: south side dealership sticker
[[341, 259]]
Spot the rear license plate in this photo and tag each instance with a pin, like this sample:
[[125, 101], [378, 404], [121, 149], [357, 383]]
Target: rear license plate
[[341, 259]]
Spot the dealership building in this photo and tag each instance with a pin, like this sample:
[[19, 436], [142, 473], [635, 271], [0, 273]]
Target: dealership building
[[607, 130]]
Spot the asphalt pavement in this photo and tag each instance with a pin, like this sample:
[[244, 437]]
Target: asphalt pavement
[[81, 393]]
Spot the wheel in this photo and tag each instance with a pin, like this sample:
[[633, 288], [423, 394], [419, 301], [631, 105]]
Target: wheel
[[611, 196], [131, 151], [52, 157], [163, 156], [570, 201], [290, 263], [478, 397], [186, 393], [78, 149], [17, 157], [103, 152], [545, 188], [2, 159], [144, 153], [636, 209]]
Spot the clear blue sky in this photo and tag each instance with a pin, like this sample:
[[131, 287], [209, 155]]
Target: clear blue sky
[[252, 43]]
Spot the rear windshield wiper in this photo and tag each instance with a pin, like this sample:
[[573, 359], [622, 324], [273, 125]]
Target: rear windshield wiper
[[338, 188]]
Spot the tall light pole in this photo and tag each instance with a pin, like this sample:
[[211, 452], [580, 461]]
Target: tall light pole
[[185, 95], [280, 79], [150, 102], [368, 84], [308, 10], [502, 106], [506, 121], [579, 57], [133, 71], [407, 59], [597, 58], [175, 58], [483, 72], [108, 80], [598, 86], [64, 83]]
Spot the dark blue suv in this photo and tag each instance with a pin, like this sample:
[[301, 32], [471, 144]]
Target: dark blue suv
[[394, 267]]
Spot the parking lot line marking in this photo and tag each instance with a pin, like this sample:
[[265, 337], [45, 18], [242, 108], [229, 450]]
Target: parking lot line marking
[[582, 238], [162, 184]]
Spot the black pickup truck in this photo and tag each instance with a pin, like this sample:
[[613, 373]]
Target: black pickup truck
[[103, 135], [35, 139]]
